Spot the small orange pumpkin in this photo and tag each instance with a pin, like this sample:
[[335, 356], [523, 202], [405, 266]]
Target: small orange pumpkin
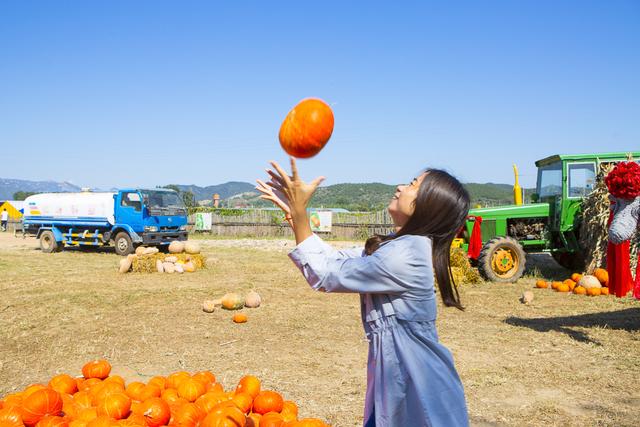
[[563, 287], [156, 412], [289, 411], [188, 415], [579, 290], [240, 318], [554, 285], [227, 416], [267, 401], [602, 275], [604, 291], [306, 128], [593, 292], [271, 419], [115, 405], [191, 389], [176, 378], [96, 369], [542, 284], [576, 277], [63, 383], [249, 384], [40, 403]]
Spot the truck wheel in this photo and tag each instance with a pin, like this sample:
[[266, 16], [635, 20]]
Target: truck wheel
[[123, 244], [502, 259], [48, 242]]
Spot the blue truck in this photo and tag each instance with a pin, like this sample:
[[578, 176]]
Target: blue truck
[[125, 218]]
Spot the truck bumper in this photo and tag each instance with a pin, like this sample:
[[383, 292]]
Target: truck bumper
[[165, 237]]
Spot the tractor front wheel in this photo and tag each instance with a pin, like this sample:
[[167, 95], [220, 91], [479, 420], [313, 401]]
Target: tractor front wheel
[[502, 259]]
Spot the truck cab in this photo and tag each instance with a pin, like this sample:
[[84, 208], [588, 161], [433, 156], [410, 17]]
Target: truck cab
[[153, 217], [551, 223]]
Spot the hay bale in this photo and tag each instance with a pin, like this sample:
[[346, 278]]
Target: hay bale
[[148, 263], [461, 268]]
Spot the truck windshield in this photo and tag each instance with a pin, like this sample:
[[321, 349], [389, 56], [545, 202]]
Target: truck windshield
[[167, 202], [550, 180]]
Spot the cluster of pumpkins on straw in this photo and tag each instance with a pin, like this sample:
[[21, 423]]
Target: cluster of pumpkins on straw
[[181, 259], [588, 284], [181, 399], [234, 301]]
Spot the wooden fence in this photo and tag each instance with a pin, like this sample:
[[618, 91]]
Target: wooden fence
[[269, 223]]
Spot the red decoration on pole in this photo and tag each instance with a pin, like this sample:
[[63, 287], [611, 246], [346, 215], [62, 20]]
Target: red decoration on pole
[[475, 242]]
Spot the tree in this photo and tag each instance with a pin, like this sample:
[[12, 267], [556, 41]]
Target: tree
[[21, 195], [189, 199]]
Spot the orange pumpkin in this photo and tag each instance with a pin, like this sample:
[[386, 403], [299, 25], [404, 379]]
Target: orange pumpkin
[[102, 421], [554, 285], [253, 420], [11, 423], [271, 419], [156, 412], [188, 415], [115, 379], [134, 390], [52, 421], [579, 290], [243, 401], [11, 414], [307, 128], [240, 318], [87, 414], [82, 399], [205, 377], [78, 423], [191, 389], [249, 384], [563, 287], [100, 392], [158, 381], [170, 395], [576, 277], [133, 420], [174, 380], [40, 403], [289, 411], [267, 401], [542, 284], [604, 291], [602, 275], [228, 416], [149, 391], [593, 292], [63, 383], [115, 405], [96, 369], [13, 399], [89, 384], [570, 283]]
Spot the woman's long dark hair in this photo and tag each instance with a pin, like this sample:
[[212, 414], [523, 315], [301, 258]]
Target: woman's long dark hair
[[441, 208]]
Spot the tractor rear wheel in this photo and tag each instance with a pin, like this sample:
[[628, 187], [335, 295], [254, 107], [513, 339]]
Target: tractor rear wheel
[[502, 259]]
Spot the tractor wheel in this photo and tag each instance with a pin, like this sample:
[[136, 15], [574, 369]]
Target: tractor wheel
[[48, 242], [573, 261], [502, 259], [123, 243]]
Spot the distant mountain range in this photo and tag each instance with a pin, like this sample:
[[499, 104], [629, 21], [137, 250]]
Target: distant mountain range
[[355, 197]]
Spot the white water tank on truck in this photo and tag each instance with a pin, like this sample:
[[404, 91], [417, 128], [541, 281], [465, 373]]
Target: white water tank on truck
[[71, 206]]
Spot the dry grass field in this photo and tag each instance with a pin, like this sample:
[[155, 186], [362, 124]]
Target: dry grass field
[[564, 360]]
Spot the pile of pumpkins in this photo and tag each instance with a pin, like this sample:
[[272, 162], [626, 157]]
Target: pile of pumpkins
[[234, 301], [181, 399], [581, 284], [170, 263]]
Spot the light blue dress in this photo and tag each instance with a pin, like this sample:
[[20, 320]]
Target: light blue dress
[[411, 378]]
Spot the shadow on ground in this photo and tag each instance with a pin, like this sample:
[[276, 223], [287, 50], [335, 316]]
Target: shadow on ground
[[627, 320]]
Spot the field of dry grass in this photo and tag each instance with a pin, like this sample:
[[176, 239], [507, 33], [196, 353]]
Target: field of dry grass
[[564, 360]]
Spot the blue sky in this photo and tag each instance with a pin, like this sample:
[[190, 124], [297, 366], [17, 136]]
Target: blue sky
[[143, 93]]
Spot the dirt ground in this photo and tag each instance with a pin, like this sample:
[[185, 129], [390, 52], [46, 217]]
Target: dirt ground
[[564, 360]]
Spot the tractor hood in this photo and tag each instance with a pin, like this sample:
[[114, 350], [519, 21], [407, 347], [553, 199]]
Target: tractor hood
[[512, 211]]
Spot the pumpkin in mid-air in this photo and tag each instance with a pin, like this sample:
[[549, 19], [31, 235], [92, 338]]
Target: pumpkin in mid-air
[[307, 128]]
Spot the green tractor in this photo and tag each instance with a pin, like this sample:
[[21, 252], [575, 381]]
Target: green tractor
[[550, 224]]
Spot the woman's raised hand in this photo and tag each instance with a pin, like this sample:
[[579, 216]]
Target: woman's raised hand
[[295, 190], [274, 196]]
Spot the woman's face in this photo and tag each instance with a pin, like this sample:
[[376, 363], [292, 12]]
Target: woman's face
[[402, 205]]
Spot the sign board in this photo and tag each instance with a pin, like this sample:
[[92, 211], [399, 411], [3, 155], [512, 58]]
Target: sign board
[[320, 221], [203, 221]]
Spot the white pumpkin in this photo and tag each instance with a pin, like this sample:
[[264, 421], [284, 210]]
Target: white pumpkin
[[159, 266], [192, 248], [208, 306], [140, 250], [169, 267], [189, 267], [176, 247], [252, 300], [178, 268], [125, 265], [587, 281]]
